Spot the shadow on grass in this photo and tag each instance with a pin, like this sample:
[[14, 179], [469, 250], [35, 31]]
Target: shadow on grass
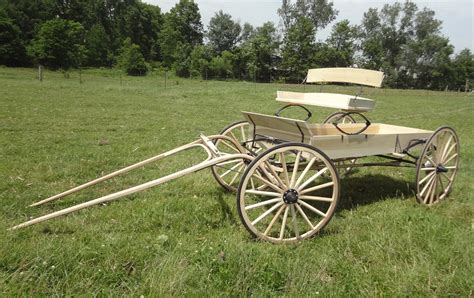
[[368, 189]]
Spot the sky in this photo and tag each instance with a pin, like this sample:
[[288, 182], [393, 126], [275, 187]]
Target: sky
[[457, 15]]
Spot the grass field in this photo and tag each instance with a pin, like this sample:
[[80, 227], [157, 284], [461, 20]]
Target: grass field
[[185, 237]]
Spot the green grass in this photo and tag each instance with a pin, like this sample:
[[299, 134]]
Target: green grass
[[185, 237]]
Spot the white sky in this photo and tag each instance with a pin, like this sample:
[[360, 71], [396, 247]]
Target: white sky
[[457, 15]]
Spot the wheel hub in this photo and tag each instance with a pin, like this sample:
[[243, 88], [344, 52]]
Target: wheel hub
[[290, 196], [441, 169]]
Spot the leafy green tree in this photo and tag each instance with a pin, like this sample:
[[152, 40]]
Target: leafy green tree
[[97, 47], [339, 48], [319, 12], [260, 52], [59, 44], [464, 69], [298, 49], [200, 57], [182, 30], [131, 59], [12, 50], [222, 66], [425, 61], [223, 33]]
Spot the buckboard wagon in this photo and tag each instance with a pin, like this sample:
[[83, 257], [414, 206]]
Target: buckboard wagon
[[286, 172]]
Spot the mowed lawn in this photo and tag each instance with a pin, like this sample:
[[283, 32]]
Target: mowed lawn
[[185, 237]]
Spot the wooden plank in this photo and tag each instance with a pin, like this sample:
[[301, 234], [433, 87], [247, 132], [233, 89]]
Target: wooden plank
[[329, 100], [357, 76]]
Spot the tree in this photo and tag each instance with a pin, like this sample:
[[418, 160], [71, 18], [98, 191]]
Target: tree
[[59, 44], [463, 65], [222, 66], [97, 47], [223, 33], [12, 50], [319, 12], [298, 49], [260, 52], [425, 61], [339, 48], [182, 31], [131, 59]]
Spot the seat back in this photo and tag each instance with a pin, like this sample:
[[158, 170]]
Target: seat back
[[280, 128], [357, 76]]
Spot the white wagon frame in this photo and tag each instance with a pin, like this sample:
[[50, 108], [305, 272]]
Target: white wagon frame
[[286, 172]]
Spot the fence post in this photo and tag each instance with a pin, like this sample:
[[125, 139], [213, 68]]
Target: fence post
[[466, 87], [80, 75], [40, 73], [166, 74]]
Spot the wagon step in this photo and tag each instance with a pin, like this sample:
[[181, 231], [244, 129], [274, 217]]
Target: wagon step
[[214, 157]]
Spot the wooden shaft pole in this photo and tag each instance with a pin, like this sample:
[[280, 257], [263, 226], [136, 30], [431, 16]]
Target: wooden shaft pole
[[116, 173], [117, 195]]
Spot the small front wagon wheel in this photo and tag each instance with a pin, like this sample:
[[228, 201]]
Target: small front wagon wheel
[[289, 201], [437, 166]]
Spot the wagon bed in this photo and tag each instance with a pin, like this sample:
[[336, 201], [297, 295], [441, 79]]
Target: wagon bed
[[377, 139]]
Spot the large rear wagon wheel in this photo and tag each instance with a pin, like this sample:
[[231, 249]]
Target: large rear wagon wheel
[[292, 201], [437, 166]]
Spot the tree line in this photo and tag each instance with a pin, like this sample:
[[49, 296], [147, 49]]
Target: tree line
[[400, 39]]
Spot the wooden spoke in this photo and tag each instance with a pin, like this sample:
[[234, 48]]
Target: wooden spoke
[[228, 162], [232, 169], [305, 171], [426, 177], [314, 198], [321, 186], [445, 148], [428, 193], [224, 142], [303, 203], [311, 179], [427, 169], [263, 193], [304, 216], [285, 169], [266, 213], [283, 223], [441, 183], [447, 177], [275, 175], [268, 183], [295, 221], [274, 219], [450, 159], [236, 174], [427, 186], [263, 203], [295, 170]]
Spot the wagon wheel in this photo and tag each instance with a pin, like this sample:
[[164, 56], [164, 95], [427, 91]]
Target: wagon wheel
[[292, 205], [344, 167], [228, 174], [437, 166]]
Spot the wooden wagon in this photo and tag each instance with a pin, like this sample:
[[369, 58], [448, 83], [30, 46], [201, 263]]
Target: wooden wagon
[[286, 172]]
